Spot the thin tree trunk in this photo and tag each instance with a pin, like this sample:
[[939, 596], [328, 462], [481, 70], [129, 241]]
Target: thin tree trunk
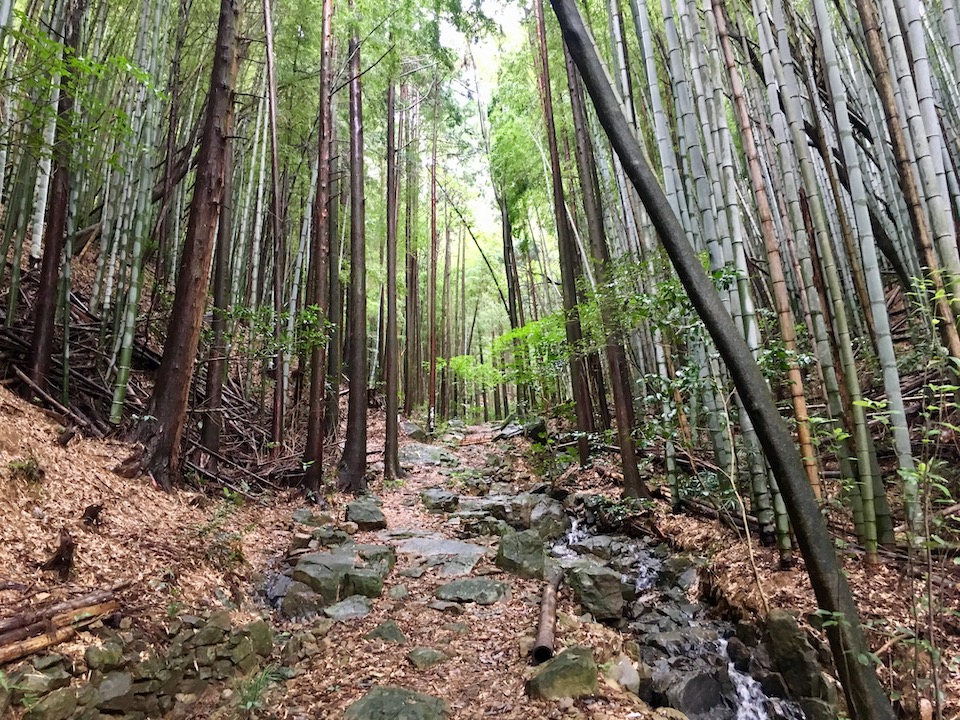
[[391, 462], [320, 257], [353, 465], [568, 269]]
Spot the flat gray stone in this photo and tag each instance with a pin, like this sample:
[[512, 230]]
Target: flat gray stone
[[355, 606], [418, 454], [425, 657], [482, 591], [453, 557], [395, 703]]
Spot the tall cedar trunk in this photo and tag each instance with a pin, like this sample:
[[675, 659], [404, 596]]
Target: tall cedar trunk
[[616, 356], [445, 312], [276, 230], [41, 346], [411, 356], [864, 694], [568, 255], [432, 278], [338, 195], [391, 462], [320, 255], [168, 404], [353, 466], [216, 362]]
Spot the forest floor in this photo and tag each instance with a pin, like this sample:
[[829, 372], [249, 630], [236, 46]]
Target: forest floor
[[188, 552]]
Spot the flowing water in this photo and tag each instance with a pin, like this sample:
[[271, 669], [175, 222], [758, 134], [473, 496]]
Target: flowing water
[[686, 649]]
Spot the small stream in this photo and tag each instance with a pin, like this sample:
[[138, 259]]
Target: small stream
[[683, 652]]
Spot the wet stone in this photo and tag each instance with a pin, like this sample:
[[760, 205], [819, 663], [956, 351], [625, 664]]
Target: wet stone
[[597, 589], [522, 554]]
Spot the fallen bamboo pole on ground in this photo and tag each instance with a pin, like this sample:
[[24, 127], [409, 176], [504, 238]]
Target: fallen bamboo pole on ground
[[59, 628], [543, 648]]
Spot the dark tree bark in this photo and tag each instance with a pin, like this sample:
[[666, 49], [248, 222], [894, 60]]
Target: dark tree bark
[[161, 434], [353, 465], [412, 372], [432, 278], [391, 462], [213, 417], [616, 356], [41, 344], [568, 254], [320, 273], [865, 697], [339, 198], [276, 232]]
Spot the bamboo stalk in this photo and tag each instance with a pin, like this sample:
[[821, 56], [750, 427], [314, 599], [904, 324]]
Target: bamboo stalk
[[543, 649]]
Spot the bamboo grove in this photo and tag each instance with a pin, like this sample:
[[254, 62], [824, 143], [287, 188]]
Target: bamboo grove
[[219, 218]]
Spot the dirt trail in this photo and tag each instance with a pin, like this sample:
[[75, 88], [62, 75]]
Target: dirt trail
[[484, 675]]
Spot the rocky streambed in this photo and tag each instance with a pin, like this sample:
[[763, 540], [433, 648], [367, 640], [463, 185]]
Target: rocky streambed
[[677, 653]]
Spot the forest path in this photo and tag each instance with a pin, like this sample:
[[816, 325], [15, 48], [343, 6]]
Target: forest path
[[484, 646]]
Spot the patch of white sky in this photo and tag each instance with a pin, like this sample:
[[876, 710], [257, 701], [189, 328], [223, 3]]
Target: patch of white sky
[[479, 65]]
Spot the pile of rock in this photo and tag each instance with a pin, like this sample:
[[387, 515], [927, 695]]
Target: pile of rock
[[125, 676]]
